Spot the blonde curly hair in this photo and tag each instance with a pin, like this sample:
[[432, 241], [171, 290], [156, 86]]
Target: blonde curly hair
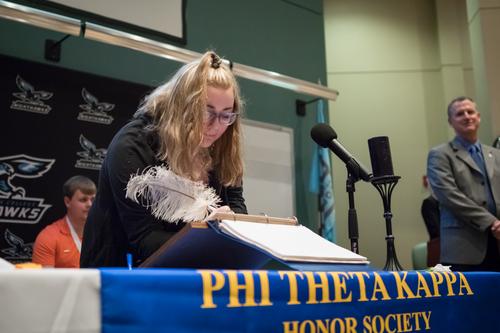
[[177, 108]]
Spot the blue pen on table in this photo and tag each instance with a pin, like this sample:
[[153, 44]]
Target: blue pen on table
[[129, 261]]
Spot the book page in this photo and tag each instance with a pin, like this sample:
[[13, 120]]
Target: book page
[[290, 242]]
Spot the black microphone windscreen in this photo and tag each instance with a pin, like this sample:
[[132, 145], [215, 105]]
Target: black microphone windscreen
[[323, 134], [380, 156]]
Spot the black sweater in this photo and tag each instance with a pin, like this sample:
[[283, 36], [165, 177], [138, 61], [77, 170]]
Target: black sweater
[[117, 225]]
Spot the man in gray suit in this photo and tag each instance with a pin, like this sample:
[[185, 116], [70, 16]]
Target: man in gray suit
[[465, 177]]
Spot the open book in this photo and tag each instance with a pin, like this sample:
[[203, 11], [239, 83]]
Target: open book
[[289, 242], [238, 241]]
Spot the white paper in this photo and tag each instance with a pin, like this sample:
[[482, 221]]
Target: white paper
[[290, 242], [5, 265]]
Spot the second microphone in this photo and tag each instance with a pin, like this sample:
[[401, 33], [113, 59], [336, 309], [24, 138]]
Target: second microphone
[[325, 136]]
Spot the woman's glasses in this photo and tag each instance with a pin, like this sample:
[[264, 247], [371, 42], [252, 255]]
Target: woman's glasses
[[225, 118]]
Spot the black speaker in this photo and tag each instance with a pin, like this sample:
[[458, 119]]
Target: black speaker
[[380, 156]]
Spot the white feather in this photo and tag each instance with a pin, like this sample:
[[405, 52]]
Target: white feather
[[171, 197]]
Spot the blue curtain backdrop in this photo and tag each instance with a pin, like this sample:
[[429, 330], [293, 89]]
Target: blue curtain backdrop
[[320, 182]]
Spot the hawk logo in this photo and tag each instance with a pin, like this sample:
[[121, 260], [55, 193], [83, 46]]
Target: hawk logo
[[15, 206], [91, 157], [18, 250], [95, 111], [29, 99]]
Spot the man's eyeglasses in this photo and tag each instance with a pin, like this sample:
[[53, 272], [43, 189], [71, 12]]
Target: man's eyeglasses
[[225, 118]]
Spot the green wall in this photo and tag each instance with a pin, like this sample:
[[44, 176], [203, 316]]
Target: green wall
[[384, 58], [397, 65], [282, 36]]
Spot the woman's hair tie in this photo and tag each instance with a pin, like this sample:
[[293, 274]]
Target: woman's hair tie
[[216, 61]]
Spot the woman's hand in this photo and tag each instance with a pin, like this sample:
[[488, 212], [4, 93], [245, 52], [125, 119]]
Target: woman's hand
[[215, 211]]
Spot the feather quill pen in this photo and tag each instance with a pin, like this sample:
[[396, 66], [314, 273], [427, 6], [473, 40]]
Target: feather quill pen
[[170, 197]]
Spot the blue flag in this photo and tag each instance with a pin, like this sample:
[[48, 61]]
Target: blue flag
[[320, 182]]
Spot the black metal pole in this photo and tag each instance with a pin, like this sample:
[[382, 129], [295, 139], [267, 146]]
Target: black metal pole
[[352, 215], [320, 227], [385, 185]]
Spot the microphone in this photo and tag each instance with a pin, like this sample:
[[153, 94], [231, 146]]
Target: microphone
[[326, 137], [380, 156]]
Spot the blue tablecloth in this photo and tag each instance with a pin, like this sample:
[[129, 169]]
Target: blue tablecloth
[[169, 300]]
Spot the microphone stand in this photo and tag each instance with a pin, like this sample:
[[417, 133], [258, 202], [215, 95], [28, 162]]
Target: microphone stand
[[385, 185], [352, 215], [352, 219], [321, 220]]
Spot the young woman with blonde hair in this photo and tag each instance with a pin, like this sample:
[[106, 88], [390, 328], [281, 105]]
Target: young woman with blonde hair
[[190, 124]]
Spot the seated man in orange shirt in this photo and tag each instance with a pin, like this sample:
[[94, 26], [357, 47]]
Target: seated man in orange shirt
[[58, 244]]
